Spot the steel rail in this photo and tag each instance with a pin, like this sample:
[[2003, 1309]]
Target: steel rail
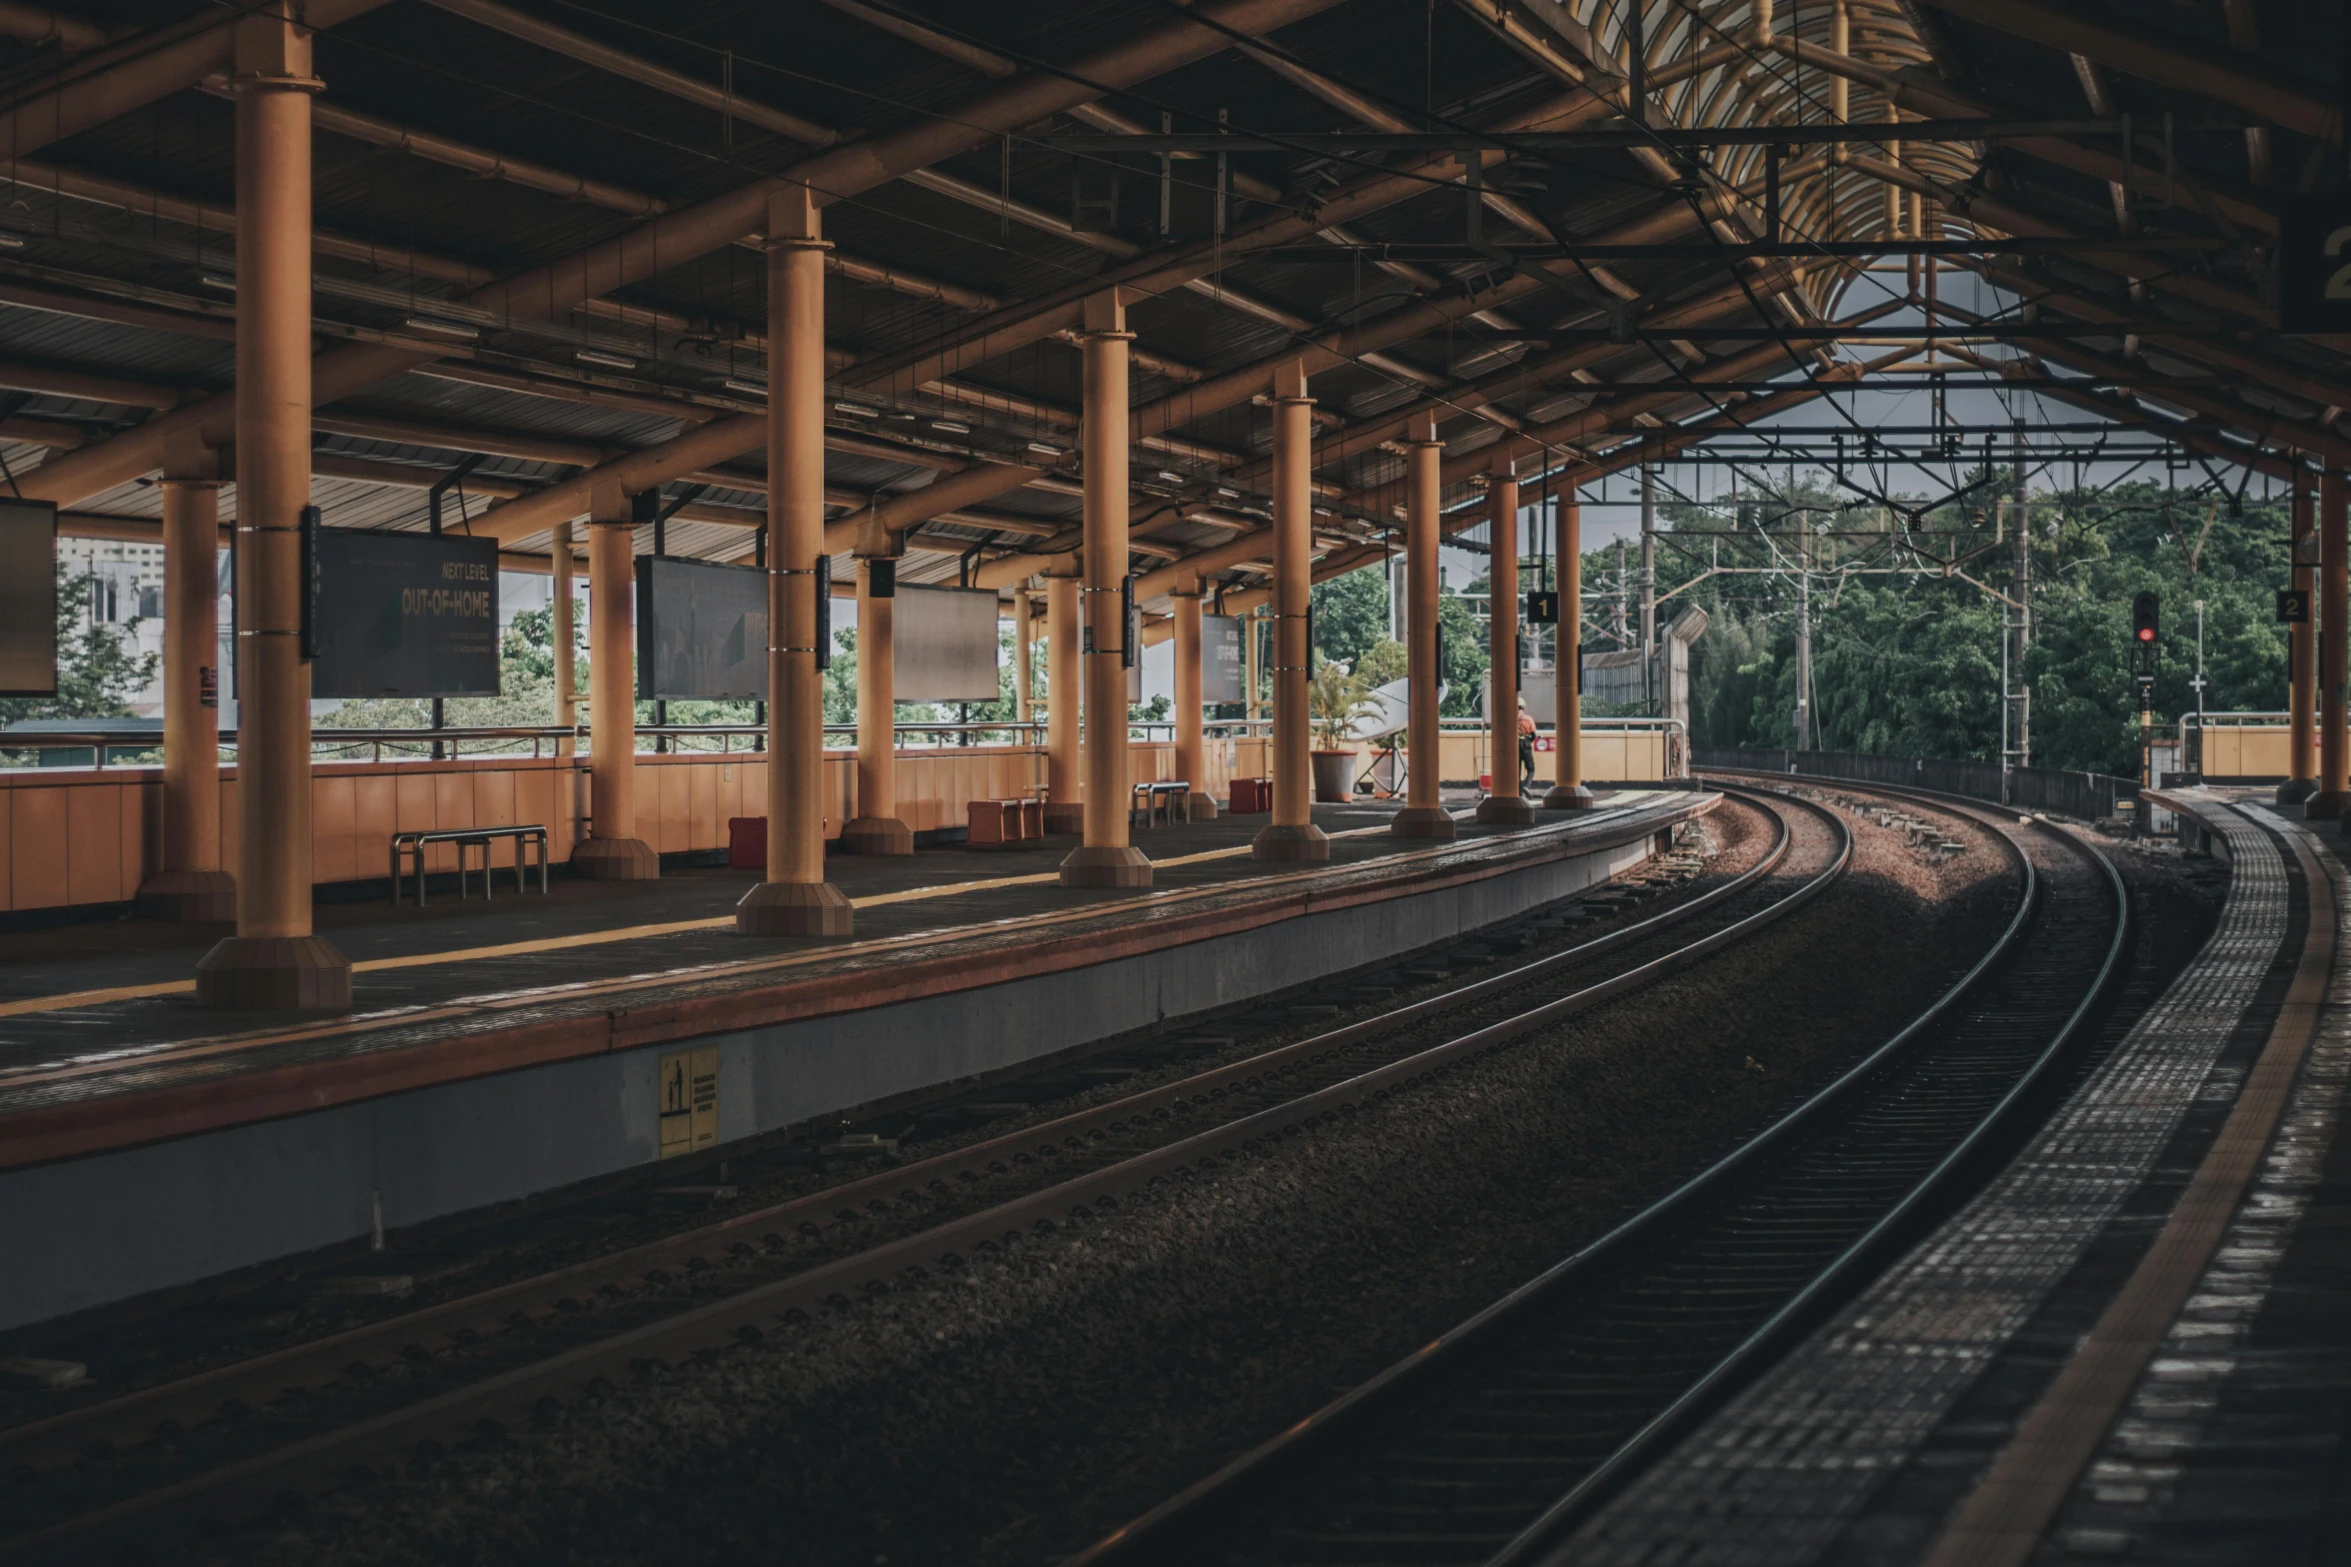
[[515, 1393], [259, 1379], [1810, 1304], [1168, 1531]]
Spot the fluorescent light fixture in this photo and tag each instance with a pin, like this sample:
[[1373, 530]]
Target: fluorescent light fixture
[[11, 241], [1171, 478], [596, 356], [747, 388], [1228, 494], [951, 427], [1044, 450], [446, 328], [221, 281], [855, 410]]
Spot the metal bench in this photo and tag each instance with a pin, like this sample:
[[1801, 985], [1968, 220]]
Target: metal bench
[[413, 844], [1151, 798]]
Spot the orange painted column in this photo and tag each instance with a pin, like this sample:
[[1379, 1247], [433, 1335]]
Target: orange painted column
[[795, 900], [1024, 644], [2302, 685], [1291, 835], [1065, 795], [1424, 814], [876, 829], [2334, 611], [1504, 804], [190, 885], [612, 851], [1190, 738], [274, 960], [1567, 790], [1107, 858]]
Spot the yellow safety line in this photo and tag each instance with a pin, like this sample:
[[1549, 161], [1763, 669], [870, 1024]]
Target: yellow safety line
[[172, 987]]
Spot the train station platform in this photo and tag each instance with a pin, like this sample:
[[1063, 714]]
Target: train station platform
[[2133, 1343], [503, 1048]]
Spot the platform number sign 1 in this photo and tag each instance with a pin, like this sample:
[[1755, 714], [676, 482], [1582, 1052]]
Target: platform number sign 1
[[688, 1089], [1543, 607], [2314, 263]]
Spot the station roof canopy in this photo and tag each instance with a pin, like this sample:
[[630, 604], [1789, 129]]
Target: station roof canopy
[[1573, 232]]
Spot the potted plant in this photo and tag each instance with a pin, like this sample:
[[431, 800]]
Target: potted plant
[[1335, 698]]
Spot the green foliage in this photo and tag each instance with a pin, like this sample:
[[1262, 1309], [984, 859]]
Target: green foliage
[[1461, 657], [97, 673], [1384, 661], [1910, 664], [1335, 697], [1351, 614]]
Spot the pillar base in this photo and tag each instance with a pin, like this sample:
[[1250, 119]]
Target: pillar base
[[876, 835], [615, 859], [275, 974], [189, 897], [1106, 867], [1505, 810], [794, 908], [2296, 790], [1569, 797], [1200, 807], [1064, 818], [1424, 821], [2322, 806], [1304, 842]]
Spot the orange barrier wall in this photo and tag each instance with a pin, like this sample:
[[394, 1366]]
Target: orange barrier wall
[[91, 835]]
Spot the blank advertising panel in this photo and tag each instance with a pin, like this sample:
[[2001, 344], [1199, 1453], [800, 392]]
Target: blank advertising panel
[[405, 614], [944, 640], [28, 598], [701, 630], [1222, 676]]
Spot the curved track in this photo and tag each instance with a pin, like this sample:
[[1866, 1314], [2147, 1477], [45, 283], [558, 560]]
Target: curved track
[[169, 1453], [1491, 1443]]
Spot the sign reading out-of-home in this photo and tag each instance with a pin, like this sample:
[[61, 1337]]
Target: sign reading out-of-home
[[405, 614]]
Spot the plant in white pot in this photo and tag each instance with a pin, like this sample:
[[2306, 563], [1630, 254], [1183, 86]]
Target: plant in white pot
[[1335, 698]]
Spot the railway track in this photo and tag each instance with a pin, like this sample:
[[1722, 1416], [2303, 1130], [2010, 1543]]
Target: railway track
[[247, 1435], [1492, 1443]]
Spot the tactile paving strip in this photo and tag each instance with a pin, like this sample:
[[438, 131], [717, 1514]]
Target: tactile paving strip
[[1775, 1477], [2132, 1490]]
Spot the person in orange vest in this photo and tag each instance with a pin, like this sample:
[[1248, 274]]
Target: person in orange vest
[[1526, 749]]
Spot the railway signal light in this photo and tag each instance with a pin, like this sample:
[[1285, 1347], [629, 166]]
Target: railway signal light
[[2143, 626]]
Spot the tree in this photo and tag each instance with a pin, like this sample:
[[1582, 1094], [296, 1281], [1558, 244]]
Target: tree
[[97, 673], [1351, 613]]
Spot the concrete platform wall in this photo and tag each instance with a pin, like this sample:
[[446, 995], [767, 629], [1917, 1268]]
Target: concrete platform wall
[[86, 1232]]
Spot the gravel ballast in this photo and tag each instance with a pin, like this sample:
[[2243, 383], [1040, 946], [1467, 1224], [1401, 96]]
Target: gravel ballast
[[1015, 1410]]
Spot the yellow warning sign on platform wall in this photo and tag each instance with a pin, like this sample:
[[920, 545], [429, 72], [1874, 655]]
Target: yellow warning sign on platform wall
[[689, 1100]]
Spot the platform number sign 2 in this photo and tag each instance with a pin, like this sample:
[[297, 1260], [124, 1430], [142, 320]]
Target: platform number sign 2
[[2314, 263], [2293, 606]]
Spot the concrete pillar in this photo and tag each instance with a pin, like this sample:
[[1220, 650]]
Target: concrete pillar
[[274, 960], [876, 829], [1291, 835], [2302, 644], [2334, 617], [1065, 794], [612, 851], [1106, 859], [795, 899], [1191, 744], [1504, 804], [189, 884], [1567, 790], [1424, 814]]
